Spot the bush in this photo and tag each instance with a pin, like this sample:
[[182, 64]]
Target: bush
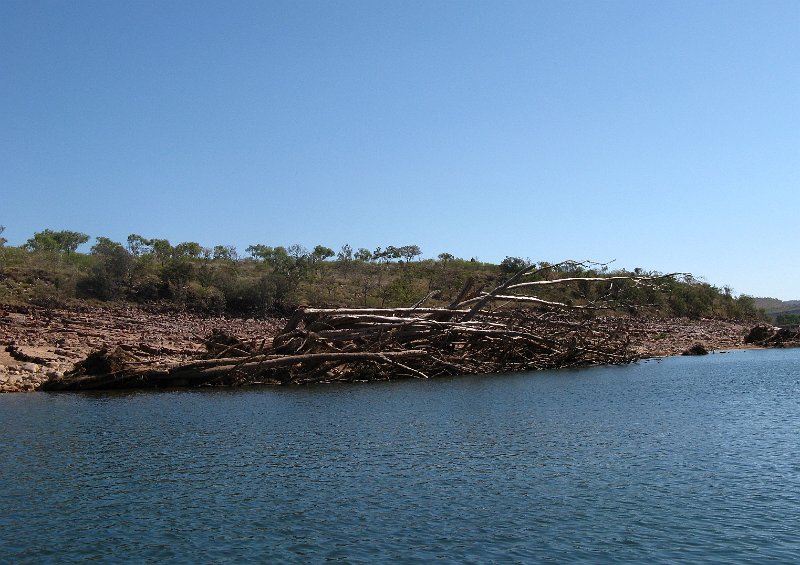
[[45, 295], [511, 265], [204, 299], [251, 297], [146, 289]]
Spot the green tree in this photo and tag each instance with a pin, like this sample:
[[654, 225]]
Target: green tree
[[344, 259], [386, 255], [42, 242], [297, 251], [138, 246], [409, 252], [363, 255], [64, 241], [511, 265], [68, 241], [276, 257], [188, 249], [280, 259], [260, 251], [345, 254], [104, 245], [321, 253], [162, 249], [225, 253], [110, 270]]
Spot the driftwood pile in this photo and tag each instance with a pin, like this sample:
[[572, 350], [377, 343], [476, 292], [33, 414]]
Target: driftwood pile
[[773, 336], [471, 336]]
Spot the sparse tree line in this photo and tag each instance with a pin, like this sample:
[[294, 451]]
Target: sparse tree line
[[48, 269]]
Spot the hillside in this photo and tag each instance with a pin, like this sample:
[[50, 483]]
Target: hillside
[[773, 305], [779, 311], [49, 271], [151, 299]]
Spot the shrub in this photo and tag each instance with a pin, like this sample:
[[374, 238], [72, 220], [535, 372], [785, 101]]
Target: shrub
[[252, 297], [511, 265], [203, 299]]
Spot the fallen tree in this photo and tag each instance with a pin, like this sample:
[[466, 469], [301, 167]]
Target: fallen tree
[[506, 329]]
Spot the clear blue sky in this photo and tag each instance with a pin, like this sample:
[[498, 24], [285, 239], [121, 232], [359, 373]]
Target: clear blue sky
[[665, 135]]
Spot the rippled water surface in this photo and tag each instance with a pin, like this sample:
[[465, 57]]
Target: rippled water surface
[[691, 459]]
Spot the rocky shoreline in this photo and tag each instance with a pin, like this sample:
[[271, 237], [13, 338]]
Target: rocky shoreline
[[655, 337], [37, 343]]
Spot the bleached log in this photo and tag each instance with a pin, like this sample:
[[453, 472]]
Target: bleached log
[[288, 360], [534, 300]]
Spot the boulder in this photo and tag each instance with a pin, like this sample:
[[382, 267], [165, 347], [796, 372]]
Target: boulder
[[696, 349]]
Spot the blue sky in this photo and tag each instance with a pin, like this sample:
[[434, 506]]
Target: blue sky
[[664, 135]]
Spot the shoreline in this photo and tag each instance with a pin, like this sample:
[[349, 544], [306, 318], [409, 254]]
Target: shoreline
[[746, 347], [46, 343]]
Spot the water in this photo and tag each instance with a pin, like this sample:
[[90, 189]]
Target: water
[[687, 459]]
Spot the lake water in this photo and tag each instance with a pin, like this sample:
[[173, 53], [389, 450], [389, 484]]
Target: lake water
[[686, 459]]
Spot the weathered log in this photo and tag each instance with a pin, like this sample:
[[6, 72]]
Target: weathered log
[[534, 300]]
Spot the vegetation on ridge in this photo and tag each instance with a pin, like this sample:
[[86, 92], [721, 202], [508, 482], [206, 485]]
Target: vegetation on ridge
[[48, 270]]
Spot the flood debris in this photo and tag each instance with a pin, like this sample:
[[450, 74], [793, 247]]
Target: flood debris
[[773, 336], [506, 329]]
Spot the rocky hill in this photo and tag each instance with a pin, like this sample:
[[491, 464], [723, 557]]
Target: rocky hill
[[775, 308]]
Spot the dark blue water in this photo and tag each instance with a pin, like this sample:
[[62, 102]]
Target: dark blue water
[[687, 459]]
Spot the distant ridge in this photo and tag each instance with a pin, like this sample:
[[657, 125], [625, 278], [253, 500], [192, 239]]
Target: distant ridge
[[774, 307]]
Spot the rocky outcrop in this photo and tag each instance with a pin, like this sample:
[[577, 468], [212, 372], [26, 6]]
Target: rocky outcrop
[[657, 337]]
